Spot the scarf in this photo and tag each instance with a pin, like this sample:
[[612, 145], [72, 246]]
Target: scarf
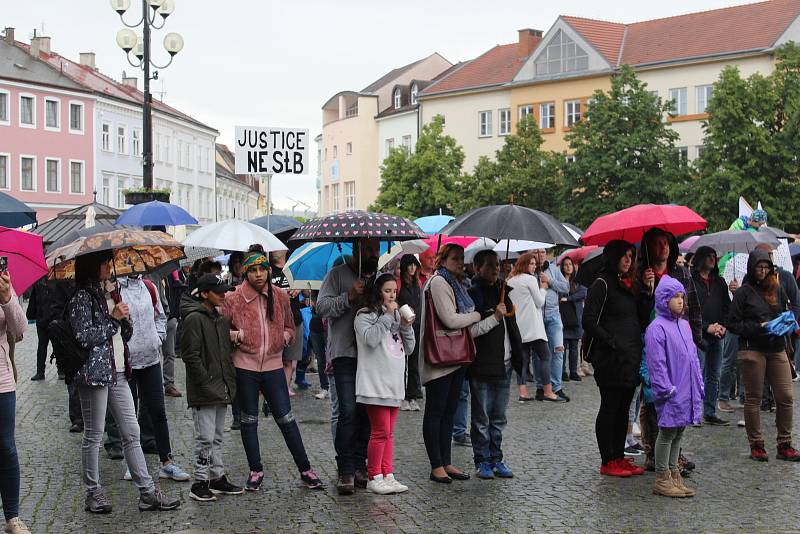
[[464, 303]]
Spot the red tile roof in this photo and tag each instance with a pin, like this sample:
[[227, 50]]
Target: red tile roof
[[708, 33], [496, 66]]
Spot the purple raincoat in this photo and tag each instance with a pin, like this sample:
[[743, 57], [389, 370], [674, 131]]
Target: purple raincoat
[[672, 362]]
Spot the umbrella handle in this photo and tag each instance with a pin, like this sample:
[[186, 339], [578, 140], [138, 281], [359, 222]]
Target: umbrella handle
[[513, 310]]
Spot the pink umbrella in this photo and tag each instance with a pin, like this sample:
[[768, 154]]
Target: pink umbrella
[[435, 241], [25, 257], [687, 243]]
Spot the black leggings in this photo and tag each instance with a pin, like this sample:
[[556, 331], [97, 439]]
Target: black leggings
[[539, 352], [611, 425]]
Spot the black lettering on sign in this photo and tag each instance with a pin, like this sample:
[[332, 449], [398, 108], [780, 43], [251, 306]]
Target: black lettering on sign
[[277, 167], [298, 163]]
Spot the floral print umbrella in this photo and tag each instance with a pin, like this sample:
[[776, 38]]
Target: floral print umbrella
[[135, 252], [352, 225]]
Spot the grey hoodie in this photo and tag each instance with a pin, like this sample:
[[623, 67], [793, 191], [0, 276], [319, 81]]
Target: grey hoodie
[[149, 324]]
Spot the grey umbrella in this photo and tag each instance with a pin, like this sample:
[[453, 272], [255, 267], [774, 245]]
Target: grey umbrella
[[737, 241], [780, 234], [510, 221]]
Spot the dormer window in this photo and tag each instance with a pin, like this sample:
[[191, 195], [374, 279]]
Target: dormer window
[[398, 100], [414, 92], [561, 55]]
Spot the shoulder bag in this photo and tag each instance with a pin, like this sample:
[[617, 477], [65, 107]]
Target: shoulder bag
[[445, 347]]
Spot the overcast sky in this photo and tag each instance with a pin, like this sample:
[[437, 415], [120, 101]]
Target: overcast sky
[[274, 63]]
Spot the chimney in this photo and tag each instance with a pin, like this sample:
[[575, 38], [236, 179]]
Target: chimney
[[130, 81], [10, 35], [87, 59], [39, 44], [528, 40]]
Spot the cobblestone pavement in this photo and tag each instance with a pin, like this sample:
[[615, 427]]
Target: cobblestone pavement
[[551, 448]]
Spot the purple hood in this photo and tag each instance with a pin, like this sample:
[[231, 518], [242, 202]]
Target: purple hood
[[667, 288]]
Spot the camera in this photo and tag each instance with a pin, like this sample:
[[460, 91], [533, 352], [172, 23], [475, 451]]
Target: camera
[[3, 264]]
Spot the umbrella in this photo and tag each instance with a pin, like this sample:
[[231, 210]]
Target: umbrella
[[415, 246], [14, 214], [433, 224], [519, 245], [687, 243], [278, 225], [794, 250], [737, 241], [779, 234], [573, 230], [631, 223], [352, 225], [156, 213], [135, 252], [23, 251], [510, 221], [308, 265], [233, 235], [482, 243], [577, 255], [590, 267], [75, 234]]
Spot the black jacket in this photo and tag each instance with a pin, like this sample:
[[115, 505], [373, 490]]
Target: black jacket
[[712, 294], [489, 362], [206, 352], [749, 309], [616, 334]]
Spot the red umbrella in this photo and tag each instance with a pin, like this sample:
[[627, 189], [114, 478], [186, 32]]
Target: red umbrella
[[577, 255], [631, 223], [24, 256]]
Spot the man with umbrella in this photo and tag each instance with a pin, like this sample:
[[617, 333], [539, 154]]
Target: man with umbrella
[[338, 301]]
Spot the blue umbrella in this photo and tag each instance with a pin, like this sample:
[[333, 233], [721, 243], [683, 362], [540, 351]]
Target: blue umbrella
[[156, 213], [14, 214], [308, 265], [433, 223]]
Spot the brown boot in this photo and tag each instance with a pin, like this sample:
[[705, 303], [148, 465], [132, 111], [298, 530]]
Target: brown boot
[[677, 479], [665, 486]]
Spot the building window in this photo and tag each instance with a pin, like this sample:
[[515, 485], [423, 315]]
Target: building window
[[122, 140], [76, 177], [105, 137], [547, 116], [335, 198], [683, 153], [27, 173], [137, 143], [485, 123], [180, 153], [414, 94], [52, 112], [5, 117], [106, 190], [349, 148], [700, 150], [572, 112], [389, 146], [351, 110], [561, 55], [349, 196], [4, 171], [158, 147], [525, 110], [167, 151], [504, 121], [335, 151], [76, 117], [188, 155], [678, 97], [704, 93], [398, 99], [122, 185], [407, 143], [27, 111], [52, 178]]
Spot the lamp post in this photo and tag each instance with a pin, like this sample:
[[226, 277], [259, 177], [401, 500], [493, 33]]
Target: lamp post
[[129, 42]]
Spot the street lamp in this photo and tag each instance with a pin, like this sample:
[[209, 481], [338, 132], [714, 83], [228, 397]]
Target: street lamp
[[139, 47]]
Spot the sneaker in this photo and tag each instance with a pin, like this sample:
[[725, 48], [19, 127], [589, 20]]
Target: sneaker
[[405, 406], [630, 450], [613, 469], [254, 481], [725, 406], [565, 377], [37, 377], [628, 464], [637, 431], [523, 400], [98, 503], [16, 526], [788, 453], [740, 423], [377, 485], [127, 476], [575, 377], [156, 500], [346, 485], [361, 478], [76, 428], [310, 479], [587, 369], [414, 406], [173, 471], [202, 492], [758, 453], [223, 486], [716, 421], [502, 470], [484, 470], [392, 482], [322, 395], [463, 441], [539, 395]]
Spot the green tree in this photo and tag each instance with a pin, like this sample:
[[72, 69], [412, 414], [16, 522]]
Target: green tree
[[752, 140], [624, 152], [520, 168], [421, 183]]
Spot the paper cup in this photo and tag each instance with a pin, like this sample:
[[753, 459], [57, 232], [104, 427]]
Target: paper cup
[[407, 313]]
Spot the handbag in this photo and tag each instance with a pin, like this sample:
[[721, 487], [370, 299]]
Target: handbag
[[587, 341], [569, 314], [445, 347]]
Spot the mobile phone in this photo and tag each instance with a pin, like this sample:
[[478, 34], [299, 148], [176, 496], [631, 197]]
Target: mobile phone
[[3, 264]]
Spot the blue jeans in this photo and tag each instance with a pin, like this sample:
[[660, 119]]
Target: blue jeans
[[730, 347], [711, 363], [271, 384], [489, 403], [460, 417], [352, 427], [555, 339], [9, 462]]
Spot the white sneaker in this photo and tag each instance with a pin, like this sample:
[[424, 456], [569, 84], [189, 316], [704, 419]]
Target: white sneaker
[[405, 406], [414, 405], [127, 475], [377, 485], [392, 482], [322, 395], [740, 423], [637, 431], [16, 526]]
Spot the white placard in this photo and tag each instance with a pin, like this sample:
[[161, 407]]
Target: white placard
[[260, 150]]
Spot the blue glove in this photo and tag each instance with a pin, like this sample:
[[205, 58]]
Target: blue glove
[[783, 324]]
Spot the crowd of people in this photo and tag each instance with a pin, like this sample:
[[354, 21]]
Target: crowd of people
[[668, 341]]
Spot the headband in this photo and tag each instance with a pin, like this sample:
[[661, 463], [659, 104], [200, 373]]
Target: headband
[[254, 259]]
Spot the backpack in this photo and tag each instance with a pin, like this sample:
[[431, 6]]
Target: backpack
[[68, 353]]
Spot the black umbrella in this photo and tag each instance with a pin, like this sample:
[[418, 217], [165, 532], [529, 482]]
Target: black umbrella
[[590, 268], [353, 225], [510, 221], [280, 226], [14, 214]]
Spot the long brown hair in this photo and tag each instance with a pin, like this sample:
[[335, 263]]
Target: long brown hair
[[521, 265]]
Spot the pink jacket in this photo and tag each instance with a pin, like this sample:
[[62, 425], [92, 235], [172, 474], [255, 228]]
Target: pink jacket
[[260, 339], [12, 320]]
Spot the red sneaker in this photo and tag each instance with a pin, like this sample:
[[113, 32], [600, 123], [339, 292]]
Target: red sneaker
[[759, 454], [614, 469], [788, 453], [628, 464]]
